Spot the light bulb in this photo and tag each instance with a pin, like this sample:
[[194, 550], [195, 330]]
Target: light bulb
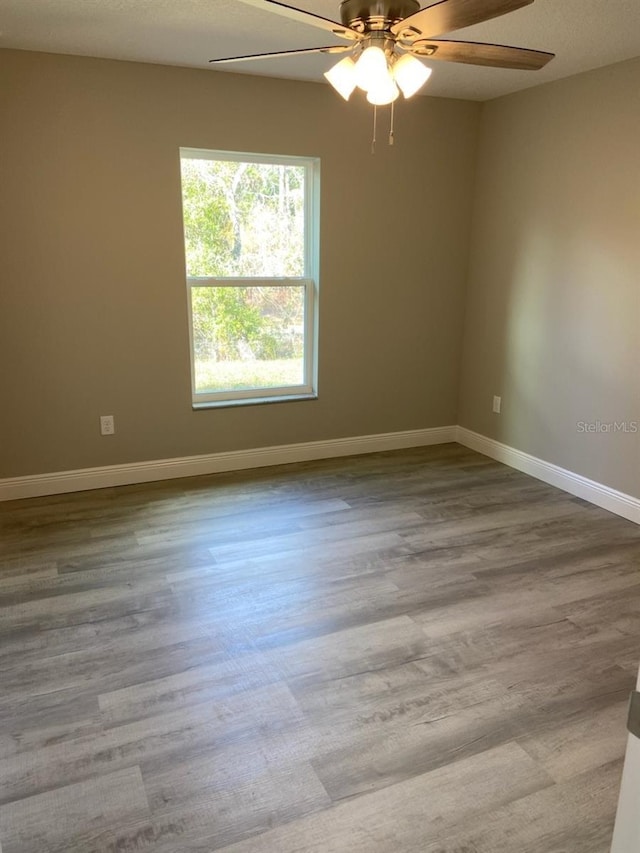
[[343, 77], [371, 68], [410, 74], [384, 92]]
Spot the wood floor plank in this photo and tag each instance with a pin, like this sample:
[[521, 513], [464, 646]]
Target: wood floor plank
[[348, 557], [574, 817], [110, 602], [420, 651], [374, 645], [224, 797], [147, 628], [584, 743], [113, 669], [74, 817], [241, 715], [352, 758], [230, 522], [19, 570], [323, 537], [267, 606], [404, 815], [229, 675]]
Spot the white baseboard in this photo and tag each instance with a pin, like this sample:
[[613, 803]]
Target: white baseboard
[[596, 493], [215, 463]]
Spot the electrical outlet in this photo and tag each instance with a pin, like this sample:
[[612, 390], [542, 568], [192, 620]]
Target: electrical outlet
[[497, 404], [106, 425]]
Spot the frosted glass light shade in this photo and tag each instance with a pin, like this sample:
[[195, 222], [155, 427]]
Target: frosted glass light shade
[[371, 68], [343, 77], [384, 93], [410, 74]]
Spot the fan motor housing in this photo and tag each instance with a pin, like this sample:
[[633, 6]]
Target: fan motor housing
[[375, 14]]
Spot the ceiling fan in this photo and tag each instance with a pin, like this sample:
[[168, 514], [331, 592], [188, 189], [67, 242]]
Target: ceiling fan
[[385, 37]]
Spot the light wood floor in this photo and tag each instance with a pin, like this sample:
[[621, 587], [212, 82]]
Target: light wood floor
[[419, 651]]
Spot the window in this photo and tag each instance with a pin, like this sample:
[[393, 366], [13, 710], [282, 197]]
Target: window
[[251, 246]]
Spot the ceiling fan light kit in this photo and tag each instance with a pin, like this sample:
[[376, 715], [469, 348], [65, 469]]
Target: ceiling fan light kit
[[343, 77], [382, 77], [383, 93], [410, 74], [371, 68], [386, 37]]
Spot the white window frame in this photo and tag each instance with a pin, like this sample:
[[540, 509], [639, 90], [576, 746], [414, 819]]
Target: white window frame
[[308, 389]]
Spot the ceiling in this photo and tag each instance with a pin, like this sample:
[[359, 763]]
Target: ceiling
[[584, 34]]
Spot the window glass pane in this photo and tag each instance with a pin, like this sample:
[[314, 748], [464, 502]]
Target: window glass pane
[[243, 219], [247, 337]]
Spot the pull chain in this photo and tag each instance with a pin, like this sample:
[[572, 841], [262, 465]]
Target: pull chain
[[375, 118], [391, 127]]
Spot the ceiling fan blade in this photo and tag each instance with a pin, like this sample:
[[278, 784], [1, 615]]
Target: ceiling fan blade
[[303, 17], [450, 15], [477, 53], [334, 48]]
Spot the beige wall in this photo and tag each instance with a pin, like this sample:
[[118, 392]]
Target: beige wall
[[92, 297], [92, 303], [553, 308]]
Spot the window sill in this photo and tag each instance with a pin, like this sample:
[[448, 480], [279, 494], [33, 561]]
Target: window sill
[[252, 401]]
